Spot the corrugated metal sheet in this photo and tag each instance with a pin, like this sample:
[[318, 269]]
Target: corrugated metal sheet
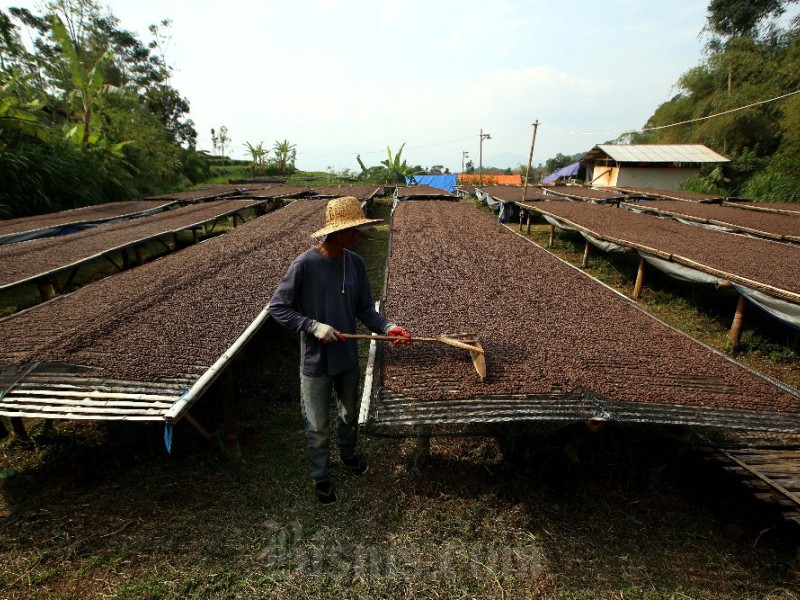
[[655, 153]]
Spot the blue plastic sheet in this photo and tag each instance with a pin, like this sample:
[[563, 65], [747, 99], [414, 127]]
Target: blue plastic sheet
[[568, 171], [443, 182]]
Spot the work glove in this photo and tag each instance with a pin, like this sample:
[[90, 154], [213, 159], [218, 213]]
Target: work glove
[[324, 332], [394, 330]]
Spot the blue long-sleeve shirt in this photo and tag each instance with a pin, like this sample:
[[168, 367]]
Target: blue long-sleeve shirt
[[332, 291]]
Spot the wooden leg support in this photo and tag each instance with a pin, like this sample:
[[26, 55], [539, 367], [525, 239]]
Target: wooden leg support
[[585, 260], [529, 224], [735, 334], [197, 425], [18, 427], [3, 430], [422, 447], [637, 287], [685, 439], [47, 290], [552, 236], [229, 410]]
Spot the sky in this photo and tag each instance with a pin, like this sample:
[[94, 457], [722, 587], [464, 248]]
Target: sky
[[339, 78]]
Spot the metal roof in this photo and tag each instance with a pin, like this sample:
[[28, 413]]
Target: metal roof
[[655, 153]]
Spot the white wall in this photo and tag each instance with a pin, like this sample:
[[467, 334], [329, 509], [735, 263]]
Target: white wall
[[654, 177]]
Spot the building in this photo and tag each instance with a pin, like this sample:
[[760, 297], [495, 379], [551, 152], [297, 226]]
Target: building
[[662, 166]]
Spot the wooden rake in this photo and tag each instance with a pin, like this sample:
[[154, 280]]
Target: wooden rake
[[465, 341]]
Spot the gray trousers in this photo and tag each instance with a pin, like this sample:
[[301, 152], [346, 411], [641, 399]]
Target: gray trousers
[[315, 400]]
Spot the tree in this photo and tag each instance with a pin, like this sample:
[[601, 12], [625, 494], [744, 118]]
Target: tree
[[560, 160], [732, 18], [222, 140], [285, 155], [400, 170], [258, 155], [755, 60], [78, 73], [88, 79]]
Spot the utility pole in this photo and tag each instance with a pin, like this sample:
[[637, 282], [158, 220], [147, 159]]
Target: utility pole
[[484, 136], [530, 160]]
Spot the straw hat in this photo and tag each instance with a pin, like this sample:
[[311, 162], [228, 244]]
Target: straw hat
[[344, 213]]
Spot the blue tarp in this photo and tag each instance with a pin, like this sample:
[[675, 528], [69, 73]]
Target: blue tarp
[[568, 171], [443, 182]]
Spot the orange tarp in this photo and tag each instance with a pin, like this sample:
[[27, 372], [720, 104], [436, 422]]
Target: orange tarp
[[489, 179]]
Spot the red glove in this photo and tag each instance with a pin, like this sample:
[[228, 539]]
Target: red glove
[[400, 334]]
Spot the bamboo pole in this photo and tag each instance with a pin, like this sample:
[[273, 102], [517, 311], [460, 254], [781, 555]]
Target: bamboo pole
[[552, 236], [529, 222], [637, 288], [585, 260], [735, 334]]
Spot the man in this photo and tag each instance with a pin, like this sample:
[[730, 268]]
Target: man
[[323, 292]]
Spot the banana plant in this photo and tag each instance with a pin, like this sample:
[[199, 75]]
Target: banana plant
[[259, 155], [88, 80], [285, 154], [399, 170], [21, 116]]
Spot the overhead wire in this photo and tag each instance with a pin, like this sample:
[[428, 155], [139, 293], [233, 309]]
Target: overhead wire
[[686, 122], [556, 129]]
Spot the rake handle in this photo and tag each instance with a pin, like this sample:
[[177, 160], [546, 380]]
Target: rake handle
[[393, 338]]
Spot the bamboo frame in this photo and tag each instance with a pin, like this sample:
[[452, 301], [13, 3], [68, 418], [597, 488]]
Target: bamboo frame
[[123, 248], [761, 208], [58, 227], [756, 285], [733, 226]]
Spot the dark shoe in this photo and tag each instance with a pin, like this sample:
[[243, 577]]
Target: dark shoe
[[325, 493], [356, 465]]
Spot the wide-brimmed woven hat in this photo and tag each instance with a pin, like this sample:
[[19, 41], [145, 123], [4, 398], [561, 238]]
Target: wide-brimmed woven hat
[[344, 213]]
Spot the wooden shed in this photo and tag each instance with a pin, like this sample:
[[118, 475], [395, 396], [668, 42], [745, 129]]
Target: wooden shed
[[662, 166]]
